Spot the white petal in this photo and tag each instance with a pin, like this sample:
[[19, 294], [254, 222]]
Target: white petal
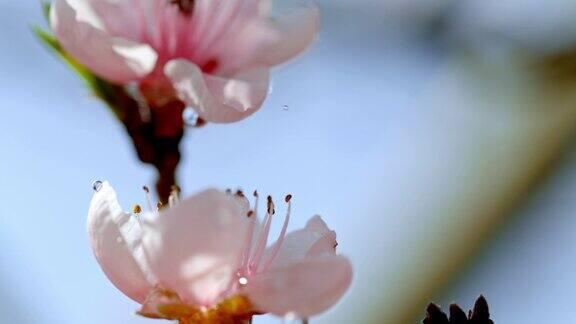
[[83, 36], [306, 288], [295, 31], [116, 241], [314, 240]]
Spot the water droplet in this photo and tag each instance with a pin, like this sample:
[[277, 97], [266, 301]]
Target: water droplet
[[290, 318], [243, 281], [285, 107], [190, 116], [97, 185]]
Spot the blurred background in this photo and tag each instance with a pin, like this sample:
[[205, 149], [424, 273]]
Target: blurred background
[[436, 137]]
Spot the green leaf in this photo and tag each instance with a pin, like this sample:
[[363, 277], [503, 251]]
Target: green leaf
[[53, 44], [46, 9]]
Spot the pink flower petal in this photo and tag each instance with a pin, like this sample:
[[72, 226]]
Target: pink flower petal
[[221, 17], [295, 31], [314, 240], [260, 41], [84, 37], [195, 248], [304, 289], [119, 18], [242, 47], [218, 99], [115, 239]]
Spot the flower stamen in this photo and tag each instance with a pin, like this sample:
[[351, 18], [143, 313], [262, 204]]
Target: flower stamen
[[248, 242], [262, 238], [281, 237], [174, 197], [256, 198], [148, 198], [136, 210]]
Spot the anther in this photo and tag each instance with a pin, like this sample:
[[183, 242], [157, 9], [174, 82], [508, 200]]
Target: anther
[[255, 194], [239, 193], [270, 205], [175, 188], [145, 188], [229, 191], [250, 213], [276, 247], [159, 206], [136, 209]]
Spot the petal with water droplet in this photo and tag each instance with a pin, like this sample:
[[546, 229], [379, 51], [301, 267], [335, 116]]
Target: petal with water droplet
[[121, 260]]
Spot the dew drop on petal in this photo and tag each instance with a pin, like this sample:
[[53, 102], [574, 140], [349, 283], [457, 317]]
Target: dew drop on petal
[[190, 116], [290, 318], [97, 185], [243, 281]]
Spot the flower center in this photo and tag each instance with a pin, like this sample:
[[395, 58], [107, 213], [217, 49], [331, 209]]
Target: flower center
[[235, 309], [186, 6]]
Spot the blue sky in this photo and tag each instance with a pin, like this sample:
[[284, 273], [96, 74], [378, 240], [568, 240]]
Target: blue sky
[[357, 145]]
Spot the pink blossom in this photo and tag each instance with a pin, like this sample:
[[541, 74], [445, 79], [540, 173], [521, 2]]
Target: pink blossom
[[206, 258], [214, 55]]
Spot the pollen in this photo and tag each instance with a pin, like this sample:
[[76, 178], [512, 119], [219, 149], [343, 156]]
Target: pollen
[[271, 210], [136, 209]]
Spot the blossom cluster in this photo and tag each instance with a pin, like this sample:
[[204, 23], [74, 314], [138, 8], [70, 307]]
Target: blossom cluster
[[206, 258]]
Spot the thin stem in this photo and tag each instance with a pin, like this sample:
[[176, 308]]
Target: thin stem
[[156, 136]]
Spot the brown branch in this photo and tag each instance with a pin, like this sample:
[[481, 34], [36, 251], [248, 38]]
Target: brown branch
[[156, 134]]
